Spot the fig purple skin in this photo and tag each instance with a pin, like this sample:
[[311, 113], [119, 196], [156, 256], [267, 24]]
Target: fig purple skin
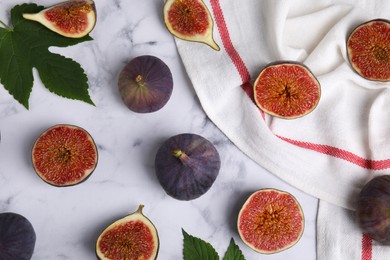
[[373, 209], [187, 166], [145, 84], [17, 237]]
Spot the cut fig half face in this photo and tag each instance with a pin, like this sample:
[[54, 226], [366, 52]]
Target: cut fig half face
[[190, 20], [287, 90], [73, 19], [64, 155], [270, 221], [368, 49], [131, 237]]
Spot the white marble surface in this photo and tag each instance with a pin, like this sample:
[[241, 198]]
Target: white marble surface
[[68, 220]]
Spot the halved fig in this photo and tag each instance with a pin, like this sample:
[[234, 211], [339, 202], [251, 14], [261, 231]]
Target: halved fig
[[368, 49], [132, 237], [287, 90], [373, 208], [64, 155], [17, 237], [270, 221], [73, 19], [187, 166], [190, 20], [145, 84]]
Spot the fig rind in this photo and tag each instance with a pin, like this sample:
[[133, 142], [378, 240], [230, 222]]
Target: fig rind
[[64, 155], [373, 209], [270, 221], [368, 50], [187, 165], [185, 26], [17, 237], [287, 89], [72, 19], [133, 229], [145, 84]]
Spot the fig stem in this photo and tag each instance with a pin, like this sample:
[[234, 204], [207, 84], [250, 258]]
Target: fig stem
[[179, 154], [140, 207], [138, 78], [5, 26], [140, 81]]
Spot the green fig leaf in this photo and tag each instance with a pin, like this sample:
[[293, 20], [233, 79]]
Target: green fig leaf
[[197, 249], [26, 46], [233, 252]]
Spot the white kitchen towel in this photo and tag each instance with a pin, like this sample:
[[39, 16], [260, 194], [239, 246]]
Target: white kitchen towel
[[330, 153], [338, 237]]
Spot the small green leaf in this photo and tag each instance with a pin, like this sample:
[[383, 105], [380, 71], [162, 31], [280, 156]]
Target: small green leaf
[[233, 252], [15, 73], [64, 77], [26, 46], [197, 249]]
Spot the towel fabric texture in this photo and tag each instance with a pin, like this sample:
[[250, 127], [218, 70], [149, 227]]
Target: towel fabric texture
[[331, 152]]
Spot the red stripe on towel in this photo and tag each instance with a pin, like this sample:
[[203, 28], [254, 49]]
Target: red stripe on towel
[[231, 51], [248, 88], [227, 43], [341, 154], [366, 247]]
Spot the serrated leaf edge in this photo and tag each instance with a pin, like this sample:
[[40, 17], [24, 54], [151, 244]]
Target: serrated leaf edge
[[236, 248], [89, 101], [188, 236]]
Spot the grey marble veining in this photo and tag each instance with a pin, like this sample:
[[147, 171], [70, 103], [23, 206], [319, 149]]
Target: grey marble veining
[[68, 220]]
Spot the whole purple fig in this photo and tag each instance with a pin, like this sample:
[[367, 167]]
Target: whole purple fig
[[373, 209], [145, 84], [187, 166], [17, 237]]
